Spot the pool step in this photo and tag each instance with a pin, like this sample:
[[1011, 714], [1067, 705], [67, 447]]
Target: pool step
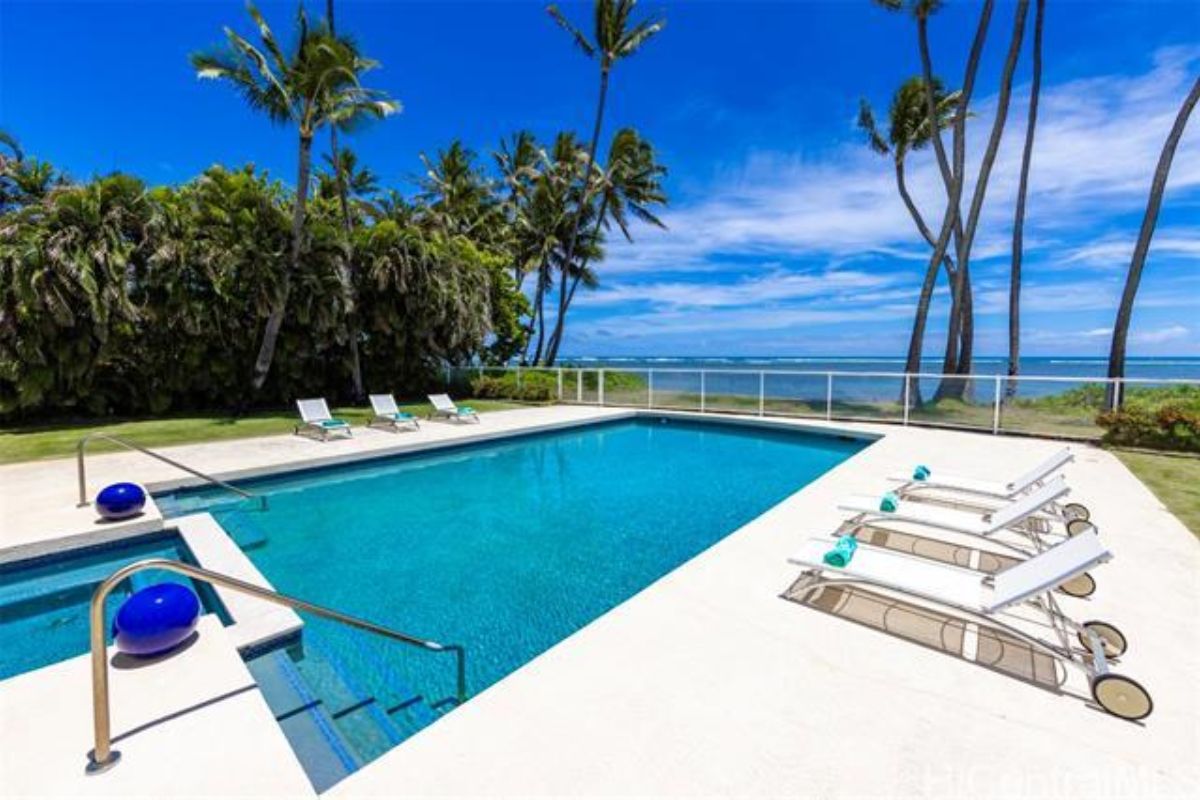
[[334, 725], [246, 531], [318, 743]]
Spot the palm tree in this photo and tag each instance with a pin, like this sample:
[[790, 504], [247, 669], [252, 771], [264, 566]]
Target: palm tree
[[1116, 354], [613, 39], [909, 130], [315, 85], [456, 192], [1014, 287], [952, 175], [629, 184]]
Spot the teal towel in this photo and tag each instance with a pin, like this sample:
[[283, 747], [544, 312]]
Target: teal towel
[[890, 502], [842, 552], [921, 472], [334, 423], [465, 410], [402, 415]]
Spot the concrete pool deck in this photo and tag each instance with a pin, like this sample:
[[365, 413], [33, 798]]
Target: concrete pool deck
[[708, 682]]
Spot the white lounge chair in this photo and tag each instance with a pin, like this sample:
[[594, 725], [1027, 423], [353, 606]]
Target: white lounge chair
[[317, 422], [973, 523], [985, 493], [971, 597], [443, 406], [388, 415]]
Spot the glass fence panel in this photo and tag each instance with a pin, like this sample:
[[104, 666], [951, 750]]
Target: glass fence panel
[[588, 390], [794, 394], [868, 397], [624, 387], [677, 389], [731, 391], [951, 400], [1052, 408]]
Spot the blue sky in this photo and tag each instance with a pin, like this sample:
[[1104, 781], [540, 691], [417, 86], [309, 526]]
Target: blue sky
[[786, 236]]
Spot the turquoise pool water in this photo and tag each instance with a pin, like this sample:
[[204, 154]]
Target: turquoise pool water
[[44, 602], [508, 548]]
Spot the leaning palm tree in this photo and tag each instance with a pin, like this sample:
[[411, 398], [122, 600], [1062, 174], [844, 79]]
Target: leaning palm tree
[[1116, 354], [613, 38], [629, 184], [314, 85], [1014, 285], [909, 130]]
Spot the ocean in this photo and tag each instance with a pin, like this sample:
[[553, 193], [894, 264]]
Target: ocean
[[725, 374]]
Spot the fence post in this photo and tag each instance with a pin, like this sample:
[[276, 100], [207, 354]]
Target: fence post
[[579, 384], [907, 388], [996, 408], [1118, 387], [560, 393], [702, 382], [650, 388], [828, 395], [762, 384], [600, 387]]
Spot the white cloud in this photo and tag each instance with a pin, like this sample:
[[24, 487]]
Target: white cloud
[[806, 249], [1170, 333]]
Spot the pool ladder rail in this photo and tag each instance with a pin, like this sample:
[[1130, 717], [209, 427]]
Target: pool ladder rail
[[103, 757], [81, 469]]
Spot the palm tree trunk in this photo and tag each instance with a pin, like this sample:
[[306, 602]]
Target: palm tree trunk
[[1018, 246], [1116, 355], [352, 325], [539, 300], [955, 387], [266, 351], [552, 352], [559, 327], [912, 362]]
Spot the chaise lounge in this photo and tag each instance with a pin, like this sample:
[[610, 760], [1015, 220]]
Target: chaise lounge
[[316, 422]]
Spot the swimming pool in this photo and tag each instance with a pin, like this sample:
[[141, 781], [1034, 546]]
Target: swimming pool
[[508, 547], [44, 601]]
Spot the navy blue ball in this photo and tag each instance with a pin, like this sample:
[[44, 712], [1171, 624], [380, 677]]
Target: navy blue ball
[[120, 500], [156, 619]]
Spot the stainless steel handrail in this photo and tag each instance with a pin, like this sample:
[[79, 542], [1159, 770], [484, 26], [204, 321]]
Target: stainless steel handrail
[[103, 756], [82, 470]]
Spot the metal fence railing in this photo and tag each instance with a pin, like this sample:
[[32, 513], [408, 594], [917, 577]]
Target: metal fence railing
[[1060, 406]]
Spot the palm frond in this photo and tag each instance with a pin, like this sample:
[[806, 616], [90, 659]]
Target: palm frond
[[581, 41]]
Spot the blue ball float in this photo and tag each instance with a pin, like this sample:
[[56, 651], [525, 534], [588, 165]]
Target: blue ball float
[[120, 500], [156, 619]]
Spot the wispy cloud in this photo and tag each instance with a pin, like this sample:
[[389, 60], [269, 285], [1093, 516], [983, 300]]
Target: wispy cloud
[[785, 241]]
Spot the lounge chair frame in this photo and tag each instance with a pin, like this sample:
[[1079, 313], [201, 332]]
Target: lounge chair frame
[[449, 409], [312, 417], [1036, 534], [1091, 660], [390, 420]]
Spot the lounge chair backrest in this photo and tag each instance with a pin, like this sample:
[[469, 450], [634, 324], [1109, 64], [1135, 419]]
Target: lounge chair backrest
[[314, 409], [1059, 459], [1071, 557], [1024, 506], [384, 404], [442, 402]]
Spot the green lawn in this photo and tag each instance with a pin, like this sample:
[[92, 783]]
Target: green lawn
[[58, 440], [1174, 479]]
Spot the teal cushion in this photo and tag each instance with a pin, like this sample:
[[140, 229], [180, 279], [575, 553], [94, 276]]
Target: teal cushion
[[334, 423]]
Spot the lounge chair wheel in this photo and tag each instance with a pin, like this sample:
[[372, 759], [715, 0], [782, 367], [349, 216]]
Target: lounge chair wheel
[[1076, 511], [1078, 526], [1111, 638], [1122, 697], [1080, 586]]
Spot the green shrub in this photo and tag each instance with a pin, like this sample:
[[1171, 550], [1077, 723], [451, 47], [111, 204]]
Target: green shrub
[[1170, 427], [533, 387]]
